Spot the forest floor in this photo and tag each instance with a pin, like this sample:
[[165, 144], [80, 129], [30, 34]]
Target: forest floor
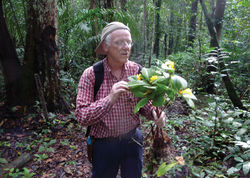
[[57, 147]]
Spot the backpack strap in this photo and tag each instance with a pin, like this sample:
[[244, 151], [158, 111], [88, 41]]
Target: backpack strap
[[99, 76]]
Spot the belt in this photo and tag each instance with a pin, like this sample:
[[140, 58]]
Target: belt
[[120, 137]]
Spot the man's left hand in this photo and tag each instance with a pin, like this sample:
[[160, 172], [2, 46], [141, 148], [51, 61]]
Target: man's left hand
[[159, 121]]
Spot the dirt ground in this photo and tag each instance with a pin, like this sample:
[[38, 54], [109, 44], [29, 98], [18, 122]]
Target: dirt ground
[[55, 150]]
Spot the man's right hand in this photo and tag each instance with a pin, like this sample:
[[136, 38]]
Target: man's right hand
[[117, 89]]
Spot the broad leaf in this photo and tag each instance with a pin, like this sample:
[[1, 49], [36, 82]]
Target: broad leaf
[[147, 73], [159, 101], [140, 104], [3, 161], [190, 102], [179, 82], [232, 170], [164, 168], [246, 167], [136, 83], [161, 80], [238, 159], [138, 93]]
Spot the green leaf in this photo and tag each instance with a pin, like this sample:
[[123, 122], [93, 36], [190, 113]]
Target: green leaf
[[147, 73], [232, 170], [178, 82], [190, 102], [136, 83], [159, 101], [246, 167], [149, 87], [227, 157], [164, 168], [161, 88], [50, 149], [238, 159], [3, 161], [138, 94], [140, 104], [161, 80], [41, 148], [51, 142]]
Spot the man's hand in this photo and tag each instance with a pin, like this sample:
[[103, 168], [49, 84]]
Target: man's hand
[[117, 89], [159, 121]]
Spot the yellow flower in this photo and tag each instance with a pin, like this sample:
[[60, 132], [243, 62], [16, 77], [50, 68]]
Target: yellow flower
[[180, 160], [186, 91], [169, 64], [147, 92], [139, 77], [153, 78]]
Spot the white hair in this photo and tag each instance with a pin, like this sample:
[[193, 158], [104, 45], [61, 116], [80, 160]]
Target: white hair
[[107, 40]]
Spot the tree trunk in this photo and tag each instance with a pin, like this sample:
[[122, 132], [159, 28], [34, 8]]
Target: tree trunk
[[123, 5], [10, 63], [94, 26], [215, 43], [41, 55], [192, 25], [144, 31], [219, 15], [228, 84], [171, 35], [152, 41], [210, 25], [92, 4], [157, 29], [178, 34], [165, 45], [108, 4]]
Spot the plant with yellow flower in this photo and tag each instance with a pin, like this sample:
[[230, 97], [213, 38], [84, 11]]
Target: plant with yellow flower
[[159, 85]]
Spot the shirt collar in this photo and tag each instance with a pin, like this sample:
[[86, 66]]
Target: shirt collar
[[107, 68]]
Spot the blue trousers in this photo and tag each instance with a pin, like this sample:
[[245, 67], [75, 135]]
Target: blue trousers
[[111, 154]]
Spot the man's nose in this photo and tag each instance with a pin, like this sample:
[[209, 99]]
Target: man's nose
[[126, 45]]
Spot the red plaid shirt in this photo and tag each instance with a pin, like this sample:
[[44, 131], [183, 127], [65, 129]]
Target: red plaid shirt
[[108, 120]]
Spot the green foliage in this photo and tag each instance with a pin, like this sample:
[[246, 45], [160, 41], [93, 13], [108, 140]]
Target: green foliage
[[216, 140], [15, 173], [160, 85], [165, 168], [240, 152], [40, 157], [45, 146], [209, 151]]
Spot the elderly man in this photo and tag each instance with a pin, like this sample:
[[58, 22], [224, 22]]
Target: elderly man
[[109, 112]]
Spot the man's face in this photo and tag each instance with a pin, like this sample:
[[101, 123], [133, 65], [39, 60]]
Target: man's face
[[120, 45]]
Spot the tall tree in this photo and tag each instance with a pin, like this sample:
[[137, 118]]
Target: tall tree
[[192, 24], [219, 15], [40, 58], [152, 39], [123, 5], [10, 63], [213, 31], [41, 54], [145, 17], [171, 31], [108, 4], [157, 29]]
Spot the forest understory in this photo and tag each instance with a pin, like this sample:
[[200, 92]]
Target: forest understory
[[57, 147]]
